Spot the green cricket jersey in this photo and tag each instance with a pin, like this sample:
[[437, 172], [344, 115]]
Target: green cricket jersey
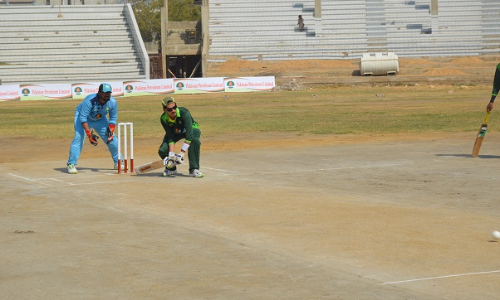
[[181, 127]]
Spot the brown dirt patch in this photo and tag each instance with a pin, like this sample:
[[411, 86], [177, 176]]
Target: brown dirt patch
[[22, 149], [444, 71], [441, 70], [467, 61]]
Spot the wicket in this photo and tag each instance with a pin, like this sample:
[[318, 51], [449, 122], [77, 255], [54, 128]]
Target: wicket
[[126, 126]]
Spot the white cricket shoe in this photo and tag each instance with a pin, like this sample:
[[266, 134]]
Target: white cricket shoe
[[72, 169], [115, 167], [196, 173]]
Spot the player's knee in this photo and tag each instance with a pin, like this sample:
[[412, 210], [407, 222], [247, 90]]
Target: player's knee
[[162, 154]]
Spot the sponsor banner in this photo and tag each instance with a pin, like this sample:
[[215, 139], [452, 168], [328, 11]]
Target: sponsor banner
[[199, 85], [249, 84], [45, 91], [9, 92], [148, 87], [83, 89], [138, 88]]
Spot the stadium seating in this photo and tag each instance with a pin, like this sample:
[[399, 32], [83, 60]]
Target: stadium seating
[[51, 44], [267, 30]]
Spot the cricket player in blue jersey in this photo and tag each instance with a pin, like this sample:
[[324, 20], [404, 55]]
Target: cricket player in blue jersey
[[92, 114]]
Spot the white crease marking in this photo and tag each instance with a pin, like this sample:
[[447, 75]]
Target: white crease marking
[[310, 170], [25, 178], [38, 180], [440, 277], [98, 182]]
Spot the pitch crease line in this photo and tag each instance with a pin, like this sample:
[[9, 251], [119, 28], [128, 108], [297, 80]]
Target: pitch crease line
[[38, 180], [336, 168], [323, 169], [97, 182], [25, 178], [441, 277], [234, 172]]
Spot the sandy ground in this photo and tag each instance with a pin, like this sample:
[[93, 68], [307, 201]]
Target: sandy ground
[[406, 217], [277, 216]]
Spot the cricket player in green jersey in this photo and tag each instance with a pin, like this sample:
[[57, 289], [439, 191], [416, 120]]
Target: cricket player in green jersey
[[496, 88], [179, 124]]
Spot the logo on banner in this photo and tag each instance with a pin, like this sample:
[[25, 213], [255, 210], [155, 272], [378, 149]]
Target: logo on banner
[[78, 90], [230, 84], [129, 88], [25, 92], [179, 85]]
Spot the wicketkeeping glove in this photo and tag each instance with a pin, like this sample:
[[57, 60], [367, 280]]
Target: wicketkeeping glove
[[92, 137], [109, 132]]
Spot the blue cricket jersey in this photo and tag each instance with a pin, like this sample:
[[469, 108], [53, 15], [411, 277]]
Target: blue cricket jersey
[[90, 110]]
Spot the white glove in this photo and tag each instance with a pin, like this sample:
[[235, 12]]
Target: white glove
[[171, 156], [179, 158], [170, 164]]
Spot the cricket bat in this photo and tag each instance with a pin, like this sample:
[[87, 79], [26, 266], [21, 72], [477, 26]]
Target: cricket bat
[[153, 166], [480, 136], [149, 167]]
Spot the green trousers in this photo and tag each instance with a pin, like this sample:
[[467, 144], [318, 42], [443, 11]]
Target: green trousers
[[193, 151]]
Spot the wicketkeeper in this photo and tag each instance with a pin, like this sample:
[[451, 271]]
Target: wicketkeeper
[[93, 113], [179, 124]]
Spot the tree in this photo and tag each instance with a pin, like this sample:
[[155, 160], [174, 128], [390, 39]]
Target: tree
[[183, 10], [148, 15]]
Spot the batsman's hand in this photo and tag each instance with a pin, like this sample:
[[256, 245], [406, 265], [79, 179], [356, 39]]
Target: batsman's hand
[[489, 107], [109, 132], [171, 156], [166, 159], [179, 158], [92, 137]]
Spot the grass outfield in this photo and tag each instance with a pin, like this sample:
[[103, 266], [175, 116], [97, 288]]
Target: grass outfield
[[318, 110]]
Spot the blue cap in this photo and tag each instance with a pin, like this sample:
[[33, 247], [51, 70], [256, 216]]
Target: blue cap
[[105, 88]]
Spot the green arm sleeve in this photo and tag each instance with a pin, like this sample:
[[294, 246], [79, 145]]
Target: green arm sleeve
[[188, 123], [496, 82]]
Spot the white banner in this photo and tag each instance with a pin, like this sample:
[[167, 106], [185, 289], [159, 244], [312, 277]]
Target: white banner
[[9, 92], [199, 85], [138, 87], [81, 90], [45, 91], [249, 84], [148, 87]]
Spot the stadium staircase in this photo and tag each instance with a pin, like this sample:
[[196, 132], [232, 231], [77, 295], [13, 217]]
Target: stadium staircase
[[70, 44], [267, 30]]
